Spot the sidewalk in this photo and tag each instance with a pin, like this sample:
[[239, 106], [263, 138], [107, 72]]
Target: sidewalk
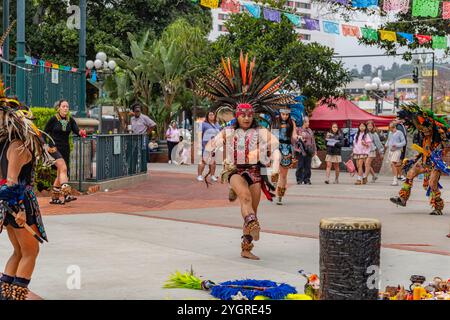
[[129, 257], [127, 242]]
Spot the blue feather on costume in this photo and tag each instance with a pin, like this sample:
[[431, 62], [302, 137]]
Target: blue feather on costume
[[436, 159], [298, 110], [275, 292]]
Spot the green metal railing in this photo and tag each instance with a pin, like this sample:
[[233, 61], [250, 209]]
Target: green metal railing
[[41, 91], [105, 157]]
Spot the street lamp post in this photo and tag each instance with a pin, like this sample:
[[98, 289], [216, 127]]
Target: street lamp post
[[82, 61], [377, 90], [102, 67]]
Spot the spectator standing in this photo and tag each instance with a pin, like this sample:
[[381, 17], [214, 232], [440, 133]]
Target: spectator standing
[[140, 123], [307, 151], [335, 142], [210, 128], [375, 146], [361, 149], [395, 144], [173, 138]]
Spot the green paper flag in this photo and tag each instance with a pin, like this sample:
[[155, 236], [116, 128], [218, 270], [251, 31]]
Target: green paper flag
[[439, 42], [425, 8], [370, 34]]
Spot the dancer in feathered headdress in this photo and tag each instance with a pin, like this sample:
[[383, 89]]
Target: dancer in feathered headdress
[[247, 147], [20, 145], [432, 140]]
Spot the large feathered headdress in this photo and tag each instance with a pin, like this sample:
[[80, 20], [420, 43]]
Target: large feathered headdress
[[417, 118], [235, 90]]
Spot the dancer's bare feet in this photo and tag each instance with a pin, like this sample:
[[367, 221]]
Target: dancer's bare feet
[[249, 255], [246, 250]]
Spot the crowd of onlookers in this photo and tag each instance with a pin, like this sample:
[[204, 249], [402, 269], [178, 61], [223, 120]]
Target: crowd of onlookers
[[368, 144]]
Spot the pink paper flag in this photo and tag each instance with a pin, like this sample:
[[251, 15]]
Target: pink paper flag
[[423, 38], [446, 10], [396, 5], [350, 31], [232, 6]]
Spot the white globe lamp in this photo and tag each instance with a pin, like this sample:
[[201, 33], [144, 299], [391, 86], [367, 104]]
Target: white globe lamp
[[101, 56], [98, 64], [89, 64]]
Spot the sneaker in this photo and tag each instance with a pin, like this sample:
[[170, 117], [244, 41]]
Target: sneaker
[[214, 178], [374, 178], [174, 162], [200, 178], [327, 182], [358, 182], [364, 180], [395, 183], [169, 162], [279, 201], [401, 178]]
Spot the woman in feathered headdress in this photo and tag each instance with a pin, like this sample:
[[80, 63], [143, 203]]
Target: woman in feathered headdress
[[287, 136], [247, 147], [21, 144]]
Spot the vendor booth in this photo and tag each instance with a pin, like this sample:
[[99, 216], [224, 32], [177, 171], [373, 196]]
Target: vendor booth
[[346, 114]]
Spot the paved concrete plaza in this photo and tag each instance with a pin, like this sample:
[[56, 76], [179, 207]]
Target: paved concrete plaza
[[127, 242]]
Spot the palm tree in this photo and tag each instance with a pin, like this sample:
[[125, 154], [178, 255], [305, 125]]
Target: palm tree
[[133, 66]]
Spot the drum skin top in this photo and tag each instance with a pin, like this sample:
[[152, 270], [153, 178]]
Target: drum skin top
[[350, 223]]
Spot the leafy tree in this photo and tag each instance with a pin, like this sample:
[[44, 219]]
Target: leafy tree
[[108, 23], [310, 68]]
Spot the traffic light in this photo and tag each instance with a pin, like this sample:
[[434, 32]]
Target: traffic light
[[415, 75], [396, 102]]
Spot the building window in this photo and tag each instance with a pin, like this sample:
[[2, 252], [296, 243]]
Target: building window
[[302, 36], [291, 4], [222, 28], [303, 5], [223, 16]]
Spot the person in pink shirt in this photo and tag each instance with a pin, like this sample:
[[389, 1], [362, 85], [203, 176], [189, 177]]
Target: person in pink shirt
[[361, 150]]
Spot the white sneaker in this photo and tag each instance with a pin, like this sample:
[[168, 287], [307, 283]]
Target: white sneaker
[[394, 183], [214, 178], [174, 162], [169, 162], [200, 178]]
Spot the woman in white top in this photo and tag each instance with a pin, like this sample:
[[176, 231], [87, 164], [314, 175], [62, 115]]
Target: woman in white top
[[173, 137]]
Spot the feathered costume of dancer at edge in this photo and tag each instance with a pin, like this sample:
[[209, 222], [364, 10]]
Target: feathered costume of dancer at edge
[[21, 144], [247, 147], [432, 139], [287, 136]]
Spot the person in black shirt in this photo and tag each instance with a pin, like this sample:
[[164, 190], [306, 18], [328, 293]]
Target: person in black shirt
[[59, 128]]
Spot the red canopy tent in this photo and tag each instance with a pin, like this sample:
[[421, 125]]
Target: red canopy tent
[[346, 114]]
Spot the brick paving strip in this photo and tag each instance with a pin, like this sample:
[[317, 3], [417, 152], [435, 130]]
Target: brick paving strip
[[166, 191]]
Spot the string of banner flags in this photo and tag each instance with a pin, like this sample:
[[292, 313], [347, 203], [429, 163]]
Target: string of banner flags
[[44, 64], [421, 8]]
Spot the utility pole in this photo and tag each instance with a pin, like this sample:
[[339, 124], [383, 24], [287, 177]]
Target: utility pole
[[82, 61], [418, 65]]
